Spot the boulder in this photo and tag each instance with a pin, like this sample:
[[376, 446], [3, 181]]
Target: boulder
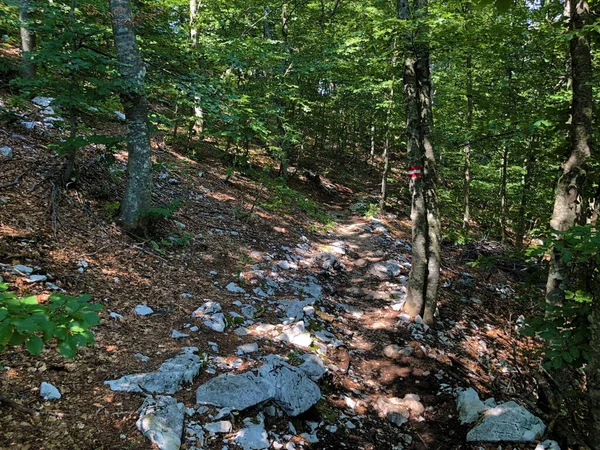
[[169, 378], [161, 421], [236, 392], [507, 422], [294, 392]]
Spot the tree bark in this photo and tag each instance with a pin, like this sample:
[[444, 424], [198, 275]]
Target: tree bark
[[388, 130], [529, 168], [423, 281], [503, 194], [138, 190], [467, 148], [28, 40], [570, 184]]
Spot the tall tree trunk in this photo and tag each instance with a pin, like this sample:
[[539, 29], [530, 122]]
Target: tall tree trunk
[[528, 168], [28, 67], [423, 281], [570, 184], [386, 146], [503, 194], [197, 101], [566, 203], [372, 137], [138, 190], [194, 6], [467, 149], [593, 369]]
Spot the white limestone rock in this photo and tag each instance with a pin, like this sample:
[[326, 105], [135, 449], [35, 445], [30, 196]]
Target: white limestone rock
[[168, 379], [222, 426], [294, 392], [547, 445], [469, 406], [161, 421], [234, 288], [313, 366], [143, 310], [507, 422], [49, 391], [236, 392], [252, 437]]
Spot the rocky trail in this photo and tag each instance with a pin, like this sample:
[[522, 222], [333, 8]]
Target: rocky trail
[[261, 335]]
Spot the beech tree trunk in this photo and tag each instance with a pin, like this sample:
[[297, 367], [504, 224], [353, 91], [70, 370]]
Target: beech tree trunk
[[467, 149], [28, 41], [386, 146], [423, 281], [138, 190], [567, 206], [503, 195], [197, 101]]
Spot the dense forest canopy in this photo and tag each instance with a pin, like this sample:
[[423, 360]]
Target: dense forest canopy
[[477, 118]]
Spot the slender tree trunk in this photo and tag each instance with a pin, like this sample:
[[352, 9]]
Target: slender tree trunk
[[528, 171], [194, 5], [430, 181], [197, 101], [28, 41], [467, 149], [386, 147], [372, 155], [503, 194], [138, 190], [72, 153], [593, 369]]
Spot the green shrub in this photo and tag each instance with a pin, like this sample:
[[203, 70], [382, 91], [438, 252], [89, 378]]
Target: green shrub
[[566, 326], [65, 319]]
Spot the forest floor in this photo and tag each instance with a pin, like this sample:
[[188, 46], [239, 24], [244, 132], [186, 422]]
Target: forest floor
[[222, 236]]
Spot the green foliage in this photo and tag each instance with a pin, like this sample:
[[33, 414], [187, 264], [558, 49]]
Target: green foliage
[[150, 218], [566, 326], [484, 262], [66, 320], [283, 197], [172, 241], [566, 330]]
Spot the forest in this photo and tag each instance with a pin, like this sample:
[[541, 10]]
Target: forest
[[320, 224]]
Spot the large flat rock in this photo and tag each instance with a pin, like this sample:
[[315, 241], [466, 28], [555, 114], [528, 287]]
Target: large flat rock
[[237, 392], [168, 379], [507, 422], [293, 390]]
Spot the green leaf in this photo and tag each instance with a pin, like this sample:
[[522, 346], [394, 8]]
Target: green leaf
[[67, 348], [73, 306], [567, 357], [17, 339], [90, 318], [31, 300], [35, 345]]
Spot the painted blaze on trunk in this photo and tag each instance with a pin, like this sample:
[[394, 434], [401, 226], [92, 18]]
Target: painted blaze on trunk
[[137, 196]]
